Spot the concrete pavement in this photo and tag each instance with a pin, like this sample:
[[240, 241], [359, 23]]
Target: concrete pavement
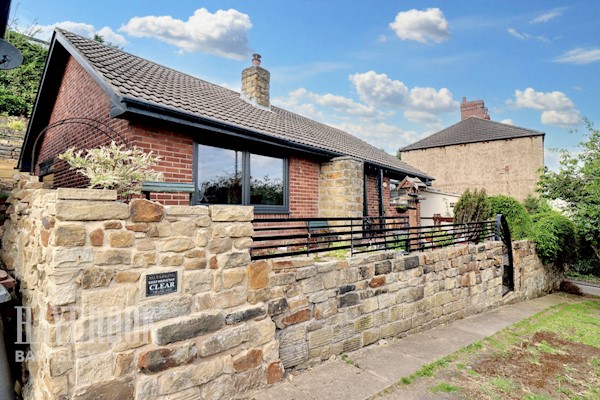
[[368, 371]]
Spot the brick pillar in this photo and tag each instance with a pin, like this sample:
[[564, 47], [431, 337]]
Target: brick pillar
[[341, 188]]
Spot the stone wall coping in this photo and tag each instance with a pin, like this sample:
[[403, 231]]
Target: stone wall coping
[[86, 194]]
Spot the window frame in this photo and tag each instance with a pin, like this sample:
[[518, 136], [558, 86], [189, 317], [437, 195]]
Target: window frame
[[246, 175]]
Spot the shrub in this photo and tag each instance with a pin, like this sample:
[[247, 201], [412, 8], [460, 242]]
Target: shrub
[[536, 205], [519, 221], [555, 238], [114, 167], [471, 207]]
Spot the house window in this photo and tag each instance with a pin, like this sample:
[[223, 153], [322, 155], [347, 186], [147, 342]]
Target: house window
[[227, 176]]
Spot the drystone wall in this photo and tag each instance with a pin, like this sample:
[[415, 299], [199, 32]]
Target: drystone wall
[[12, 133], [148, 301]]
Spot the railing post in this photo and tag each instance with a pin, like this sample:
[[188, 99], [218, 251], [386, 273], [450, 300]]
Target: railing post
[[352, 236]]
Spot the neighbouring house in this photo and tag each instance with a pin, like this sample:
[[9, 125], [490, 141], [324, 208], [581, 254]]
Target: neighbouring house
[[478, 153], [435, 206], [236, 149]]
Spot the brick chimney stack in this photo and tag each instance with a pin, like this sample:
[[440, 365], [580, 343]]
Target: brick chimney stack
[[475, 108], [255, 84]]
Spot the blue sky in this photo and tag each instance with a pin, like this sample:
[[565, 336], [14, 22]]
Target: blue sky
[[389, 72]]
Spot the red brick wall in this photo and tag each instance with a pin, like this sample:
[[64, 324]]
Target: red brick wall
[[176, 152], [79, 96], [304, 187], [373, 197]]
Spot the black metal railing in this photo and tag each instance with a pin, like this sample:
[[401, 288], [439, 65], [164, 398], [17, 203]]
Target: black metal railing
[[275, 237]]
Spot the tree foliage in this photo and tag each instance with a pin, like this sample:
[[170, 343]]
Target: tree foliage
[[577, 183], [18, 86]]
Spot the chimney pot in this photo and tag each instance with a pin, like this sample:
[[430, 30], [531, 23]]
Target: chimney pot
[[256, 59]]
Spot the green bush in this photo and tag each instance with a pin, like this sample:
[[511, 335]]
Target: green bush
[[555, 238], [519, 221], [472, 207], [536, 205]]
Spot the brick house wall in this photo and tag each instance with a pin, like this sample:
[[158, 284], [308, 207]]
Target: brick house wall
[[509, 167]]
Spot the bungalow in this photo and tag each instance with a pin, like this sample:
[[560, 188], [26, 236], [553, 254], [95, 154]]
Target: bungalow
[[235, 148]]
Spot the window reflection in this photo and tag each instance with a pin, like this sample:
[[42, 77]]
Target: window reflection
[[238, 177], [266, 180], [220, 175]]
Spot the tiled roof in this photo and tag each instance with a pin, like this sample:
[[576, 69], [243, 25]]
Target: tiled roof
[[135, 78], [472, 130]]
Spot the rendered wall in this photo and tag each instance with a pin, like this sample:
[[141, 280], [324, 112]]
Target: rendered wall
[[83, 261], [508, 167]]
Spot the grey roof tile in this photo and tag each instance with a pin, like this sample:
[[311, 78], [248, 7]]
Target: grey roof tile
[[140, 79], [472, 130]]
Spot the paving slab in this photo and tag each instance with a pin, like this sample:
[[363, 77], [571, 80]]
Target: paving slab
[[339, 380], [282, 391], [396, 365]]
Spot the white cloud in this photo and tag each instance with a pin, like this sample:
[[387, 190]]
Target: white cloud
[[561, 118], [579, 56], [374, 88], [421, 26], [548, 16], [556, 107], [44, 32], [224, 33], [382, 135], [507, 121], [422, 104], [340, 104], [527, 36]]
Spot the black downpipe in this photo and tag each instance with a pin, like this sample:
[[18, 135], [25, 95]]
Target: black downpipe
[[365, 195], [380, 186]]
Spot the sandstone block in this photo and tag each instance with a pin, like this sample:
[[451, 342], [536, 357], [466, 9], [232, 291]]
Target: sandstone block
[[71, 235], [171, 261], [90, 211], [144, 259], [86, 194], [252, 358], [220, 213], [182, 378], [141, 210], [123, 364], [225, 340], [96, 277], [275, 372], [244, 315], [97, 237], [258, 275], [185, 228], [112, 257], [156, 360], [197, 281], [139, 227], [208, 322], [295, 318], [127, 276], [161, 309], [233, 277], [114, 389], [233, 260], [121, 239], [186, 210], [177, 245]]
